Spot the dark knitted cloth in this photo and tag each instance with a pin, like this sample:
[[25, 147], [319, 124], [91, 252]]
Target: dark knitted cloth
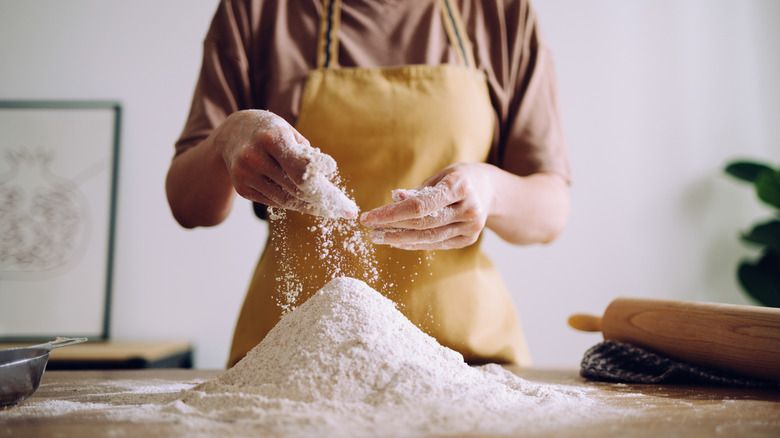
[[612, 361]]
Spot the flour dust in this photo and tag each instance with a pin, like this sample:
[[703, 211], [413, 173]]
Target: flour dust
[[339, 244], [342, 245]]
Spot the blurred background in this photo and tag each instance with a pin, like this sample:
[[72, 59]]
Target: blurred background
[[657, 96]]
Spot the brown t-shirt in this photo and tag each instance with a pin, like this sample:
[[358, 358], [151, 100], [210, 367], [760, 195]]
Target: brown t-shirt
[[257, 54]]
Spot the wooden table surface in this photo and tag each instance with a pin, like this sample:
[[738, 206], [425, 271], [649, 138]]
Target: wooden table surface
[[80, 404]]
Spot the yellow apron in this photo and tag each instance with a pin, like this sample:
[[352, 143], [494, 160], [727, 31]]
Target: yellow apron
[[390, 128]]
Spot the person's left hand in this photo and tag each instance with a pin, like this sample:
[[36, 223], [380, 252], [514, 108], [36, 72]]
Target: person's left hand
[[449, 210]]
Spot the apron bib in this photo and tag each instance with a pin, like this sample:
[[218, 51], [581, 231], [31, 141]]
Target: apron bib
[[390, 128]]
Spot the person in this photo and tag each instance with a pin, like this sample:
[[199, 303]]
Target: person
[[453, 100]]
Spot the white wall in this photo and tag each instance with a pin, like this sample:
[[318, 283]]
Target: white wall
[[657, 96]]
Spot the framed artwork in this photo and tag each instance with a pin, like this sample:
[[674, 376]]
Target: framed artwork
[[58, 186]]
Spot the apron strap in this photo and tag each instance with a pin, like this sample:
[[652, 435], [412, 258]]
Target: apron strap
[[328, 40], [330, 20], [456, 32]]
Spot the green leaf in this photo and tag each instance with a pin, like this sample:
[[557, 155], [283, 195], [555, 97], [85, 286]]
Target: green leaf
[[761, 279], [768, 187], [767, 233], [746, 170]]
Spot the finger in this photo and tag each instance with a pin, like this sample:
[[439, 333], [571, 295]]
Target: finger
[[438, 218], [426, 201], [303, 171], [282, 149], [286, 145], [315, 184], [272, 195], [266, 192], [273, 170], [316, 194], [304, 166], [296, 155], [254, 172], [399, 195], [299, 137], [455, 243], [292, 164], [404, 236], [280, 199], [299, 201]]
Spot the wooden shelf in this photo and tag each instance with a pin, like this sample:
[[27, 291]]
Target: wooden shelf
[[118, 355]]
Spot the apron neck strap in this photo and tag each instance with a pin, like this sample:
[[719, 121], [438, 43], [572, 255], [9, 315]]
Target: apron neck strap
[[456, 31], [330, 21], [327, 38]]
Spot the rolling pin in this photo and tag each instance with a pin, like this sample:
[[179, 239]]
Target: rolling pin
[[735, 338]]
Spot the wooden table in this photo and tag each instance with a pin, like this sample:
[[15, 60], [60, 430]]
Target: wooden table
[[646, 410]]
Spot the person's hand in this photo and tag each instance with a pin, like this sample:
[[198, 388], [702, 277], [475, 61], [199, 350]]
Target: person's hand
[[271, 163], [449, 210]]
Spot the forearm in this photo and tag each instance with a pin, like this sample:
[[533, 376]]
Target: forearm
[[199, 189], [527, 210]]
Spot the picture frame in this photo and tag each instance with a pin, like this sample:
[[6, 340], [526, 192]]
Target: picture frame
[[59, 164]]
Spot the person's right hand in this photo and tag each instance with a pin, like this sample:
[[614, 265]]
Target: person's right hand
[[271, 163]]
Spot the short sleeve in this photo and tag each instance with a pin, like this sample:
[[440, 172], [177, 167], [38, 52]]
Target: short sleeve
[[535, 139], [223, 85], [530, 137]]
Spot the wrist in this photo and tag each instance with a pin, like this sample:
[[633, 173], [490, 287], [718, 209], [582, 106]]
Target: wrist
[[491, 183]]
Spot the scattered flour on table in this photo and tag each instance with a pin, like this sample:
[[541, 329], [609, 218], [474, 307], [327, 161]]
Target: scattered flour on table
[[348, 363]]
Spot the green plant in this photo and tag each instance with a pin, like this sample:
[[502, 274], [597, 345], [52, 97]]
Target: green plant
[[760, 277]]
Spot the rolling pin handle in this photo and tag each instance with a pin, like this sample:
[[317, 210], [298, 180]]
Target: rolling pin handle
[[585, 323]]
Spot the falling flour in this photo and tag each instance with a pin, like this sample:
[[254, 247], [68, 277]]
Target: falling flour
[[339, 238], [339, 243], [320, 185], [348, 363]]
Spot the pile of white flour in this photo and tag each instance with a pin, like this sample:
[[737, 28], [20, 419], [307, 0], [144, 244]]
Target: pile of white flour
[[345, 363], [348, 363]]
